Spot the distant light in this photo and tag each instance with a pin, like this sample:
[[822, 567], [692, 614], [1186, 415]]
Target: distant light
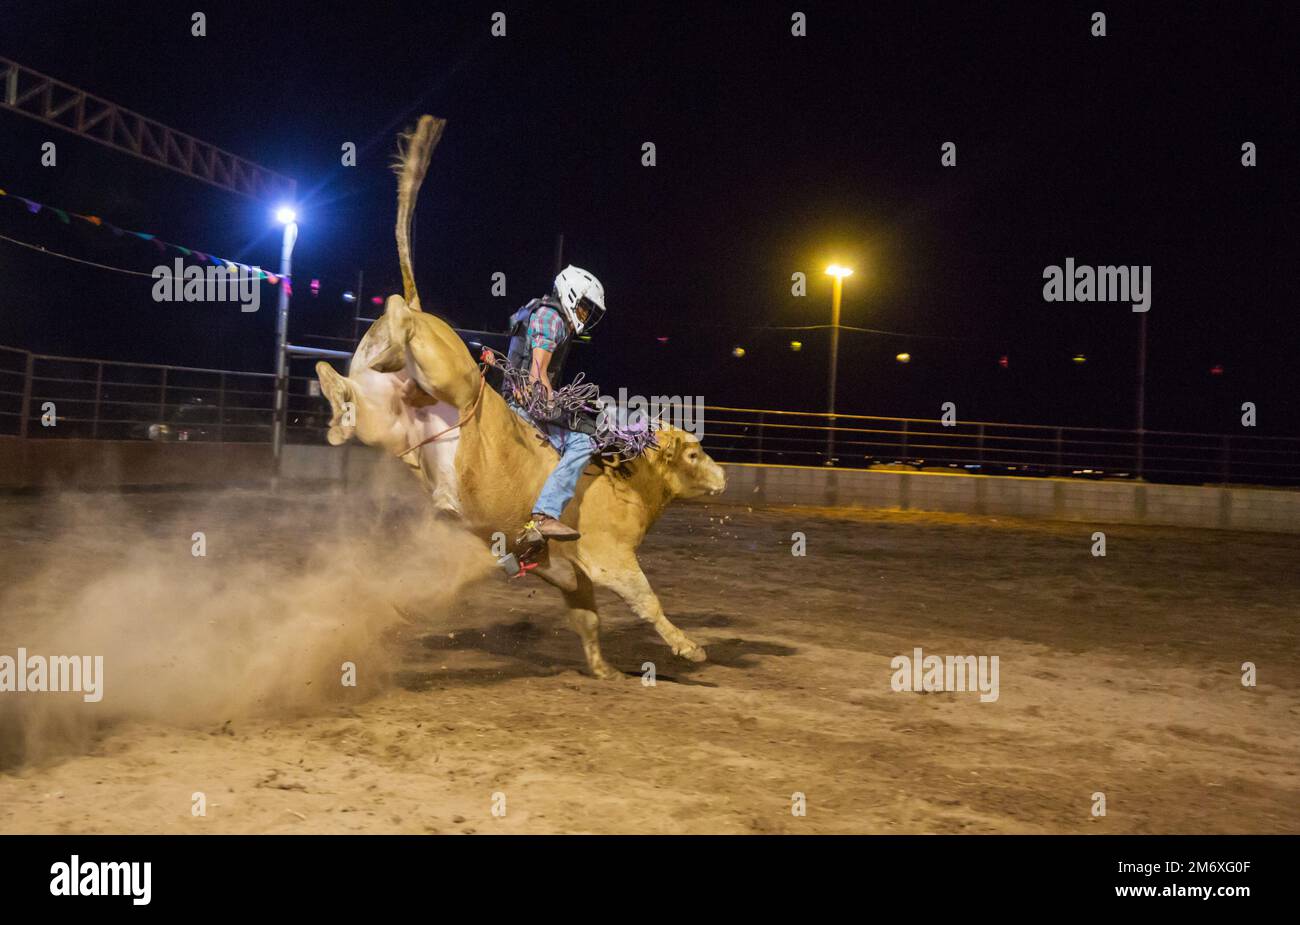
[[836, 270], [737, 352], [349, 297], [796, 345], [1080, 359], [1004, 361], [286, 215], [904, 358], [376, 300], [1216, 369], [315, 287], [662, 340]]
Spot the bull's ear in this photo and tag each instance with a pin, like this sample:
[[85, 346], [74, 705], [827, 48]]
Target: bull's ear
[[338, 391], [328, 378], [670, 442], [397, 323]]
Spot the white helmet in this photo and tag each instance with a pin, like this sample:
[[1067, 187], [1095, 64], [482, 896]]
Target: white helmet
[[577, 291]]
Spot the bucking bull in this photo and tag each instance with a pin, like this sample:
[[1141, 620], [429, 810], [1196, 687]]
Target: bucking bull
[[483, 464]]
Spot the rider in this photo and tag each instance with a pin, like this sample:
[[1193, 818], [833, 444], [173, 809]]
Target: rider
[[541, 332]]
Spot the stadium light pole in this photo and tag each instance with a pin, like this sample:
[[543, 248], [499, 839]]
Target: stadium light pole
[[1140, 468], [838, 273], [287, 217]]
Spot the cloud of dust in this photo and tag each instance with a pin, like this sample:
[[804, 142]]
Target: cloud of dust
[[292, 586]]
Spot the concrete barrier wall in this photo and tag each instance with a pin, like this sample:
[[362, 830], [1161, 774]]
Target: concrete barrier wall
[[37, 463], [1231, 508], [96, 464]]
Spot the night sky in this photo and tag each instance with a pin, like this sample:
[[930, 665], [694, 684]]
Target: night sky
[[775, 155]]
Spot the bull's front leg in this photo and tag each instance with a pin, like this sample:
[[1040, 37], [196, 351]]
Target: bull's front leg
[[586, 623], [629, 582]]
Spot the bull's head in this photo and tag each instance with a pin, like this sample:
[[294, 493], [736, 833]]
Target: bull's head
[[687, 470], [364, 413], [366, 403]]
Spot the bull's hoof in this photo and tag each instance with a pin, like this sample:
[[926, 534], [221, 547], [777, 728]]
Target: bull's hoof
[[693, 654], [606, 672]]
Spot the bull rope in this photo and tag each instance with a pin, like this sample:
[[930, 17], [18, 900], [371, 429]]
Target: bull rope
[[570, 407], [612, 443], [482, 376]]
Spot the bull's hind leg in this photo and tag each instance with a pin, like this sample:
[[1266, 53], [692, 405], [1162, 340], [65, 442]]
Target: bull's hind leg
[[586, 623], [630, 583]]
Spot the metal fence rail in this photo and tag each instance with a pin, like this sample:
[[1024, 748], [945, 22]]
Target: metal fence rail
[[860, 441], [75, 398], [101, 399]]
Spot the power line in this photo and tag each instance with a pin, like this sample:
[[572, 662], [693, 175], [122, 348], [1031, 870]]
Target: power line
[[849, 327], [89, 263], [845, 327]]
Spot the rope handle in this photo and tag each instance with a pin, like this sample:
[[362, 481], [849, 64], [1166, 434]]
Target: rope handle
[[482, 381]]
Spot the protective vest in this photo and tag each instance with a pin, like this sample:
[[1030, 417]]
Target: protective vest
[[519, 355]]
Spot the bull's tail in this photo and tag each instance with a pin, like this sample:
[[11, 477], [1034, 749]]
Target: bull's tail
[[414, 149]]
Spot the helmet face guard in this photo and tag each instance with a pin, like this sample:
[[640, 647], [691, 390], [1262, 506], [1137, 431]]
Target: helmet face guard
[[581, 296], [588, 314]]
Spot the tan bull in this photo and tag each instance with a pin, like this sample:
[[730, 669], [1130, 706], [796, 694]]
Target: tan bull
[[488, 470]]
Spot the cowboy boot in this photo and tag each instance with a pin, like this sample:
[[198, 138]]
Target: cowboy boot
[[553, 529]]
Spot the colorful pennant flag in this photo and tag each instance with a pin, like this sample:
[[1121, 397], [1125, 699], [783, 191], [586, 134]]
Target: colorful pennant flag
[[34, 207]]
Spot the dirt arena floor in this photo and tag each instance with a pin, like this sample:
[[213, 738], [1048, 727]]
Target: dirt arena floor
[[1118, 675]]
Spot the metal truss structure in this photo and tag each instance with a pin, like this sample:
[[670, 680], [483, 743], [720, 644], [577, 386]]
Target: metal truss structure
[[56, 103]]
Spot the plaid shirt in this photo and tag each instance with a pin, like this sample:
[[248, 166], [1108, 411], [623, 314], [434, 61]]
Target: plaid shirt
[[546, 329]]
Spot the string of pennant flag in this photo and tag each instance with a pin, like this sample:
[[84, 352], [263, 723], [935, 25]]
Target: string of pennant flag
[[66, 216]]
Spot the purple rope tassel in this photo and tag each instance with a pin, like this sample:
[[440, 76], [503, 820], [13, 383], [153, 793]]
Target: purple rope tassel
[[569, 405]]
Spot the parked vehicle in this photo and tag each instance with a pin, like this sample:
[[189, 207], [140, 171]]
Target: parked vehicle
[[192, 420]]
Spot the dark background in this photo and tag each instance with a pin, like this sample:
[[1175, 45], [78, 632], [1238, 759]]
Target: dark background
[[775, 154]]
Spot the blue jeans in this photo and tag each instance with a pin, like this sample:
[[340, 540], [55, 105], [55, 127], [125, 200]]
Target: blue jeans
[[575, 451]]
